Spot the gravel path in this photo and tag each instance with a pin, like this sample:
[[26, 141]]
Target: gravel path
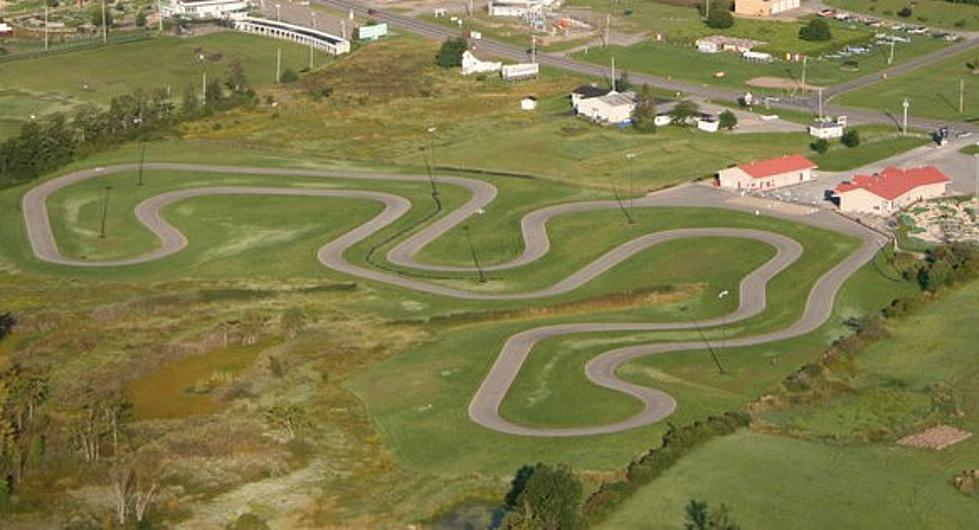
[[484, 407]]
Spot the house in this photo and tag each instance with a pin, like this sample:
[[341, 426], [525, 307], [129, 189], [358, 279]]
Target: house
[[767, 174], [613, 108], [528, 103], [206, 9], [757, 57], [472, 65], [763, 8], [585, 92], [828, 129], [890, 190], [722, 43], [514, 72]]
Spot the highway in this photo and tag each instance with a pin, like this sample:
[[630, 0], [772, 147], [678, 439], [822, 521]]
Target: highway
[[485, 404]]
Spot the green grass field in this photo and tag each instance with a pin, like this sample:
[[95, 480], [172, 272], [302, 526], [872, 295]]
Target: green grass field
[[933, 347], [933, 91], [948, 15], [45, 84]]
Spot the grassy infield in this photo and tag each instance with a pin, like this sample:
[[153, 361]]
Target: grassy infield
[[418, 399]]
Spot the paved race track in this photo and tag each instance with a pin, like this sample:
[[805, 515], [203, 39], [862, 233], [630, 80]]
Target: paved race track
[[484, 407]]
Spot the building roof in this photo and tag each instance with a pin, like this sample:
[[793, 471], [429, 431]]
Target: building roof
[[893, 182], [722, 40], [825, 124], [777, 166], [589, 91], [616, 99]]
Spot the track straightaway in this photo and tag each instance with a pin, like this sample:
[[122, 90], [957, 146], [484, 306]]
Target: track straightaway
[[486, 402]]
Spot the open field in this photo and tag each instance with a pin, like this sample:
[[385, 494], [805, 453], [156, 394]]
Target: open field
[[933, 91], [947, 15], [45, 84], [933, 348]]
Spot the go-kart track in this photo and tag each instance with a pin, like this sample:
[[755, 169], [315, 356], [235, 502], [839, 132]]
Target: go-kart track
[[485, 404]]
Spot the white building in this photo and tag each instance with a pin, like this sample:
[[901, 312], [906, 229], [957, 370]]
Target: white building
[[723, 43], [708, 123], [828, 129], [519, 8], [206, 9], [764, 8], [472, 65], [528, 103], [757, 57], [585, 92], [767, 174], [514, 72], [612, 108], [891, 190], [306, 36]]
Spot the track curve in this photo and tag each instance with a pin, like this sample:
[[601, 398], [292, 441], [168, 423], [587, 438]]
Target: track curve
[[484, 407]]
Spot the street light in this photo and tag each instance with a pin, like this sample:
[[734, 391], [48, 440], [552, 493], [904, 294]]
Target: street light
[[472, 251], [720, 296], [142, 159], [105, 211], [703, 337]]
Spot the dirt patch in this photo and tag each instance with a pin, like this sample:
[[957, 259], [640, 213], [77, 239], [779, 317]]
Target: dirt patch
[[935, 438], [779, 82]]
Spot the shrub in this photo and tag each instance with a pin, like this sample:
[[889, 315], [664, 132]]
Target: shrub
[[727, 120], [851, 138], [816, 30], [289, 76], [450, 54], [905, 12], [720, 19], [820, 146]]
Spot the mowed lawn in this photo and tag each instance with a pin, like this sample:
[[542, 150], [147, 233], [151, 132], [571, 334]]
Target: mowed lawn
[[933, 91], [770, 480], [44, 84], [939, 14]]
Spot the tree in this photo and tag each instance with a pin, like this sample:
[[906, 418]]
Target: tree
[[548, 500], [820, 145], [727, 120], [96, 14], [190, 106], [683, 111], [7, 323], [700, 517], [851, 138], [622, 83], [720, 18], [450, 54], [292, 322], [905, 12], [141, 18], [644, 115], [816, 30]]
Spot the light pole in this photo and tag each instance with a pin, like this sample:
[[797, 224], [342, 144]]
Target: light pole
[[904, 123], [431, 160], [105, 29], [720, 296], [472, 251], [142, 159], [703, 337], [632, 191], [105, 212]]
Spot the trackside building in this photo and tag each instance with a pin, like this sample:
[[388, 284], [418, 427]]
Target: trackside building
[[890, 190], [767, 174]]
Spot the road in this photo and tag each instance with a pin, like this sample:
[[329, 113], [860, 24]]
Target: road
[[805, 104], [484, 407]]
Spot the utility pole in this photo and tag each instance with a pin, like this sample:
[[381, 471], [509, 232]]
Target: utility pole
[[632, 190], [472, 250], [904, 123], [310, 55], [961, 96], [890, 57], [142, 160], [105, 29], [46, 28], [278, 12], [159, 17], [805, 63], [608, 24], [204, 88], [431, 161], [613, 74], [278, 64], [820, 104], [105, 211], [706, 8], [343, 29], [533, 48]]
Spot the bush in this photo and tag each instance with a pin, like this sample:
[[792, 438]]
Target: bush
[[450, 54], [727, 120], [851, 138], [720, 19], [820, 146], [905, 12], [816, 30], [289, 76]]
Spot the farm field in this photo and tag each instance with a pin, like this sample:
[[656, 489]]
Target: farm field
[[933, 91], [935, 347]]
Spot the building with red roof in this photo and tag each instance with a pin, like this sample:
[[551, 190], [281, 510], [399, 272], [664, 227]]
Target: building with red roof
[[767, 174], [891, 190]]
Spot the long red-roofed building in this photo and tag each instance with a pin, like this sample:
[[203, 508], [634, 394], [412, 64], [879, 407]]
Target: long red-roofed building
[[891, 190], [767, 174]]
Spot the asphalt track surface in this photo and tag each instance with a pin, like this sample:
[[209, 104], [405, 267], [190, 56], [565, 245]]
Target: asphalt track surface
[[485, 404]]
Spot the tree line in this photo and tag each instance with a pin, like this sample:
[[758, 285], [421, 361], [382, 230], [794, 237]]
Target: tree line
[[46, 144]]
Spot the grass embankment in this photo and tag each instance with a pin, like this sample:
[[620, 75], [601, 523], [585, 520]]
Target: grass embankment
[[932, 90], [934, 348], [947, 15], [40, 85]]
